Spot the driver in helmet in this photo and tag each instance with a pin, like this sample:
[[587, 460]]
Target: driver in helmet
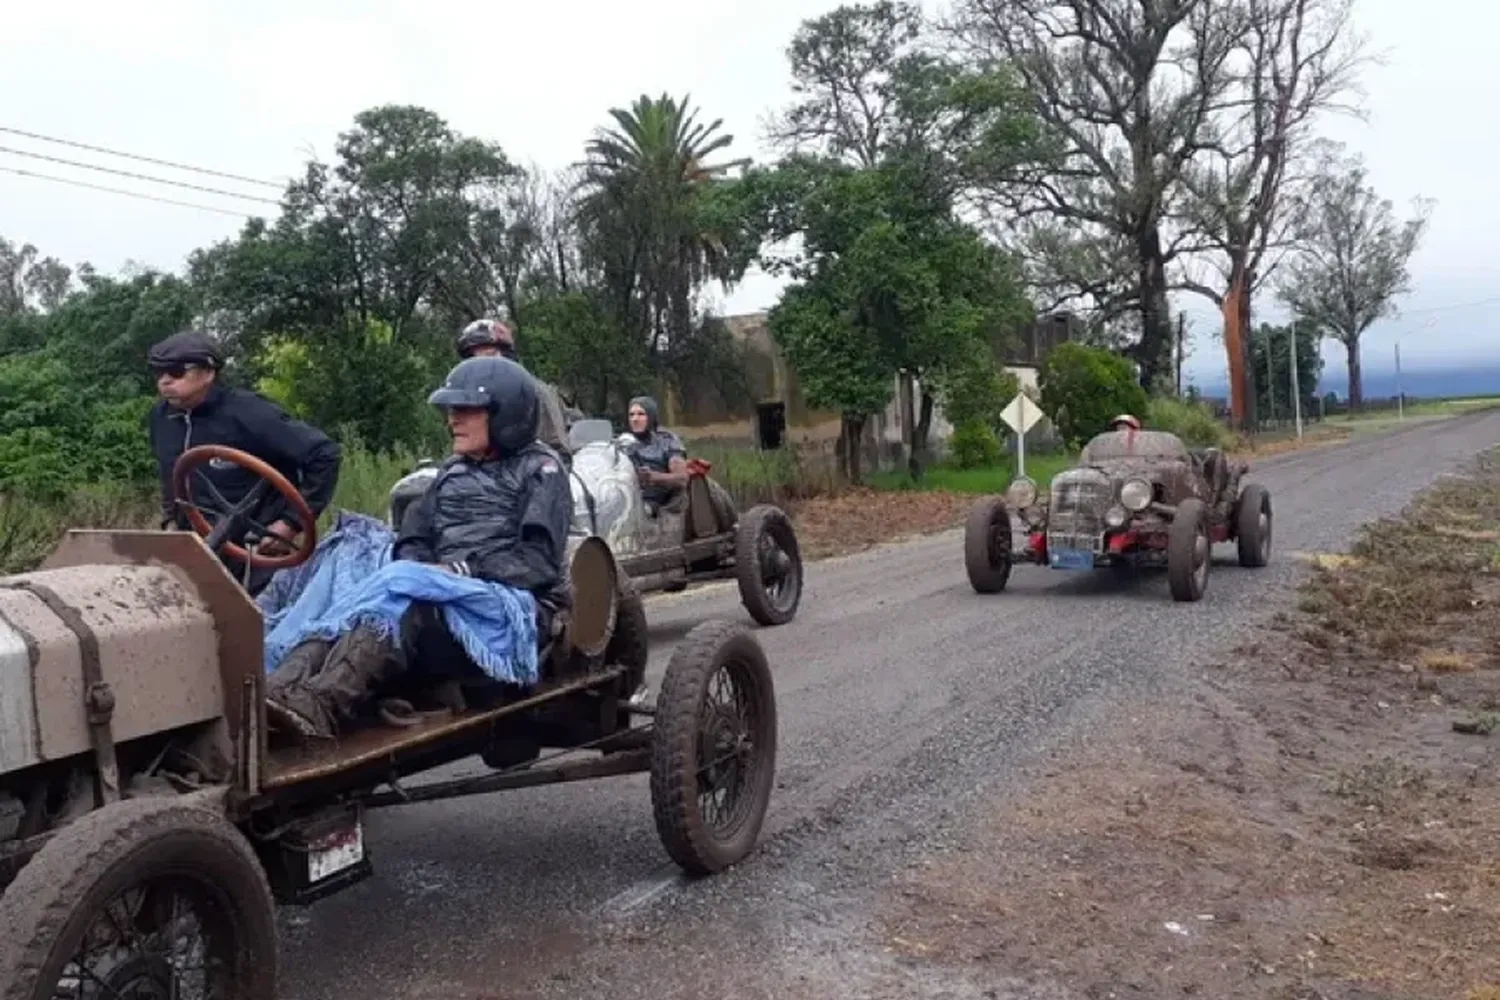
[[1125, 422], [486, 338], [499, 509], [195, 409]]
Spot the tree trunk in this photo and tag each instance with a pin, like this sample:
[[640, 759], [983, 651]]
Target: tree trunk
[[1153, 353], [1235, 310], [1356, 375], [851, 430], [917, 463], [906, 408]]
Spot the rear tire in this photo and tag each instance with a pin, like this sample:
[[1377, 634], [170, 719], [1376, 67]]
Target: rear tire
[[756, 580], [987, 554], [1253, 526], [1189, 551], [689, 729], [149, 844], [630, 646]]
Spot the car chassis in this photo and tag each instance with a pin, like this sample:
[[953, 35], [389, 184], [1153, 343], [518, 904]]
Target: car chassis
[[1153, 505], [135, 761]]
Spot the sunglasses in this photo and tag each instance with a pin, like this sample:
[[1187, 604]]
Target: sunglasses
[[171, 371]]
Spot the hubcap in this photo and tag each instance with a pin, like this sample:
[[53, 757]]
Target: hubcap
[[1200, 558], [1265, 534]]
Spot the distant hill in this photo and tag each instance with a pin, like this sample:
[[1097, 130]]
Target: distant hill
[[1426, 383]]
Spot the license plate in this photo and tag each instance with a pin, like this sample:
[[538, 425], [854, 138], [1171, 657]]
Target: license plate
[[335, 851], [1071, 559]]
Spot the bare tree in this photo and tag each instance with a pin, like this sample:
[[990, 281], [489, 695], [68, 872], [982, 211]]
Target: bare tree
[[1351, 264], [1293, 60], [1128, 91]]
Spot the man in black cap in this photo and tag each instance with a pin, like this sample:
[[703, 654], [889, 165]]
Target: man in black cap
[[195, 409]]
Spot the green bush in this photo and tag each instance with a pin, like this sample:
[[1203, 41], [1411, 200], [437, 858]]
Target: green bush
[[1084, 387], [974, 446], [1194, 422]]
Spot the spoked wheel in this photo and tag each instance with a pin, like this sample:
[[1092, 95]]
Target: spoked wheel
[[148, 899], [987, 546], [713, 758], [768, 565]]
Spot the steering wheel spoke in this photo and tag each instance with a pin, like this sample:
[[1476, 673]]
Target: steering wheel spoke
[[235, 519]]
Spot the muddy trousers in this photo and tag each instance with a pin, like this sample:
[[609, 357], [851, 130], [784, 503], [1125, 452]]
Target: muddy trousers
[[326, 686], [321, 687]]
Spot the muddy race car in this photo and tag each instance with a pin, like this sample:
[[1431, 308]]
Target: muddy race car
[[1136, 499], [148, 825], [666, 550]]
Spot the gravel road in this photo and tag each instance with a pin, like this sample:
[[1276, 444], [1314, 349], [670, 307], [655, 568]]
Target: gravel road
[[906, 701]]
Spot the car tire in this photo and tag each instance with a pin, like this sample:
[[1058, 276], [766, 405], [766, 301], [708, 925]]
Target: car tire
[[56, 900], [1189, 551], [699, 845], [759, 523], [1253, 526], [987, 556]]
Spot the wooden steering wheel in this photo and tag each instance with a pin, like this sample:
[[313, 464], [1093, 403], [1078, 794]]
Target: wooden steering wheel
[[233, 516]]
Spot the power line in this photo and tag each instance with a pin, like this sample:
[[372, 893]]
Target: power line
[[132, 194], [143, 159], [1461, 305], [139, 177]]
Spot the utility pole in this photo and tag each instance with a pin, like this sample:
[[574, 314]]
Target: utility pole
[[1181, 340], [1291, 332], [1270, 377], [1400, 396]]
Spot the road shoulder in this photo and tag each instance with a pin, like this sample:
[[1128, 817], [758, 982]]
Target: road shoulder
[[1315, 817]]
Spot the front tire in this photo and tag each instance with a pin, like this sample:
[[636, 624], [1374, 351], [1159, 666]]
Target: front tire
[[1253, 526], [113, 871], [987, 555], [768, 565], [701, 748], [1189, 551]]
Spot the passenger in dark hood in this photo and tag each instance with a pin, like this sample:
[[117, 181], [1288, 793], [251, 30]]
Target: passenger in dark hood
[[659, 456]]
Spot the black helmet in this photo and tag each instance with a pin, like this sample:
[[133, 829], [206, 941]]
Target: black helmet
[[186, 348], [502, 387], [486, 333]]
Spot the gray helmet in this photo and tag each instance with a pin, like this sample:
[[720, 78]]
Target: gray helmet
[[652, 412], [486, 333], [503, 388]]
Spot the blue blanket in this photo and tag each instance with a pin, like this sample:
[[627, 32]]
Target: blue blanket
[[352, 580]]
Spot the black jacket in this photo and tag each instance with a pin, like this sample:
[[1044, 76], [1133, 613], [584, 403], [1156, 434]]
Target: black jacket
[[238, 418], [504, 520]]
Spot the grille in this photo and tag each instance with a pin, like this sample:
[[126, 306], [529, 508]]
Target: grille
[[1075, 517]]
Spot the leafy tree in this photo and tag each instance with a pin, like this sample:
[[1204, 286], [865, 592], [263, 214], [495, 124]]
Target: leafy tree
[[1127, 94], [1270, 357], [1293, 60], [1084, 387], [1351, 264], [29, 284]]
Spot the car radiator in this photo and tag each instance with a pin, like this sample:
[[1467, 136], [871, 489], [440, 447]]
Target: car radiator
[[1076, 513]]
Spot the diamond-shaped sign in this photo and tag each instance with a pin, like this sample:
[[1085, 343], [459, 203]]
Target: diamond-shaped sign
[[1022, 414]]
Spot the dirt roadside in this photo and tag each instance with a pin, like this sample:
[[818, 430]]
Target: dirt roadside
[[1321, 819]]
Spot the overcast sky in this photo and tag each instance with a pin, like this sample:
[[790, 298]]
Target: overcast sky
[[252, 89]]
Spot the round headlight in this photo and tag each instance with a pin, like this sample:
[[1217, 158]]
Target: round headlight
[[1116, 516], [1021, 493], [1136, 494]]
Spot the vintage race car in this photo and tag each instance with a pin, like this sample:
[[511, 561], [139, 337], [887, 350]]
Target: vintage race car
[[666, 549], [148, 825], [1137, 498]]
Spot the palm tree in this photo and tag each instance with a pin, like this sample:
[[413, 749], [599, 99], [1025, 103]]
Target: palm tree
[[641, 192]]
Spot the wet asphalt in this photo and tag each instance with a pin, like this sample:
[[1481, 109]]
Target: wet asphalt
[[905, 701]]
